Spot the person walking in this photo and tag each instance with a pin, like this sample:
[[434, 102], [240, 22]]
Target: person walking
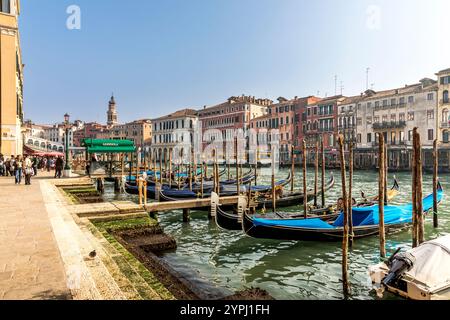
[[28, 170], [35, 166], [59, 164], [18, 170], [7, 164], [2, 165], [48, 164], [12, 167]]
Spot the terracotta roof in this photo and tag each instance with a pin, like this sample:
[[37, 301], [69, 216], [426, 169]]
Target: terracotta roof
[[351, 100], [179, 114], [329, 100], [408, 89]]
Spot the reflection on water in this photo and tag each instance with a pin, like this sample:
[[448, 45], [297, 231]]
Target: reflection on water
[[290, 269]]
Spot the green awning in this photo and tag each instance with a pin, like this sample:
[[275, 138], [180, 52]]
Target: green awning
[[109, 146]]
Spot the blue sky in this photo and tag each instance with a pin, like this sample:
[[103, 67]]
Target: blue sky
[[161, 56]]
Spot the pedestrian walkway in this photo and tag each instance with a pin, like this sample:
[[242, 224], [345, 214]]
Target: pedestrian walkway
[[30, 263]]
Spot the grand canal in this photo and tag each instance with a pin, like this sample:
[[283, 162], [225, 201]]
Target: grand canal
[[289, 269]]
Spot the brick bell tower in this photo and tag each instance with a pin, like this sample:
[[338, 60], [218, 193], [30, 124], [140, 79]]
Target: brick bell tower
[[112, 112]]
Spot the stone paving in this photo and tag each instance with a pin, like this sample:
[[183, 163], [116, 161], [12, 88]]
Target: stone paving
[[30, 262], [46, 242]]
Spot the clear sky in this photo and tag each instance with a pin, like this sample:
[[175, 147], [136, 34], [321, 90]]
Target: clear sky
[[161, 56]]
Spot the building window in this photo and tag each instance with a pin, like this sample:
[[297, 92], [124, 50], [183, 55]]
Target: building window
[[411, 116], [411, 99], [359, 138], [401, 136], [445, 115], [430, 97], [445, 96], [402, 101], [430, 114], [401, 117], [430, 135], [6, 6], [369, 138], [393, 102], [445, 136], [410, 133]]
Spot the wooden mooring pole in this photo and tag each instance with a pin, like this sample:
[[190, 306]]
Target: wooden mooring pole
[[237, 166], [345, 280], [201, 181], [386, 172], [186, 215], [322, 152], [256, 167], [316, 173], [350, 193], [292, 168], [274, 195], [414, 194], [170, 168], [305, 187], [419, 190], [381, 195], [435, 184]]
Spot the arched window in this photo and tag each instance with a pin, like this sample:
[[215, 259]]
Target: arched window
[[445, 96], [445, 115]]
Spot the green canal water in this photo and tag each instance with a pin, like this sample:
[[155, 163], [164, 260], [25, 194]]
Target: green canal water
[[288, 269]]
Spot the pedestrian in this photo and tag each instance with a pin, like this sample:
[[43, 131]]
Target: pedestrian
[[7, 164], [58, 167], [35, 166], [2, 165], [18, 170], [28, 170], [48, 164], [12, 166]]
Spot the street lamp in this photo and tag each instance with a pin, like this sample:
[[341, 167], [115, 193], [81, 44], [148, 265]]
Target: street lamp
[[66, 126]]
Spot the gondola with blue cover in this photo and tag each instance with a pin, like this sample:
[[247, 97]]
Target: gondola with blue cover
[[365, 223]]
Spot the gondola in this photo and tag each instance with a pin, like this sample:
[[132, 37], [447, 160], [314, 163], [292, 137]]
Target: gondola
[[151, 189], [365, 223], [228, 219], [225, 190], [292, 198]]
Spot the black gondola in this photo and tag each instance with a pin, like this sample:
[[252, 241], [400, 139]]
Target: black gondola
[[317, 229]]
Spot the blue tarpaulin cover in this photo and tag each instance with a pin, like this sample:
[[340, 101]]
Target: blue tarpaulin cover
[[367, 216]]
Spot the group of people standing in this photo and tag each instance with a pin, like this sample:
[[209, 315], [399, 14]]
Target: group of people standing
[[26, 167]]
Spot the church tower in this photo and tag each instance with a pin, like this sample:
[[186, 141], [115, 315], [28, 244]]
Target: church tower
[[112, 113]]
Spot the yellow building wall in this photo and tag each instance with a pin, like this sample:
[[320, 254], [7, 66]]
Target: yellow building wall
[[11, 135]]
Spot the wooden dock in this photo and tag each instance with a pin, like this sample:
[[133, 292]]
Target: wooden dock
[[187, 204]]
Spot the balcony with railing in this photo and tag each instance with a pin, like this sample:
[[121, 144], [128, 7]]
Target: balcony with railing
[[389, 125], [445, 125], [346, 127]]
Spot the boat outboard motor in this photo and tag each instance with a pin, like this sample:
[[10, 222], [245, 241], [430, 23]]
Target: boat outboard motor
[[399, 265]]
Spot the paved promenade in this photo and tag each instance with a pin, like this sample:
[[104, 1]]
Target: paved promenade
[[30, 263]]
